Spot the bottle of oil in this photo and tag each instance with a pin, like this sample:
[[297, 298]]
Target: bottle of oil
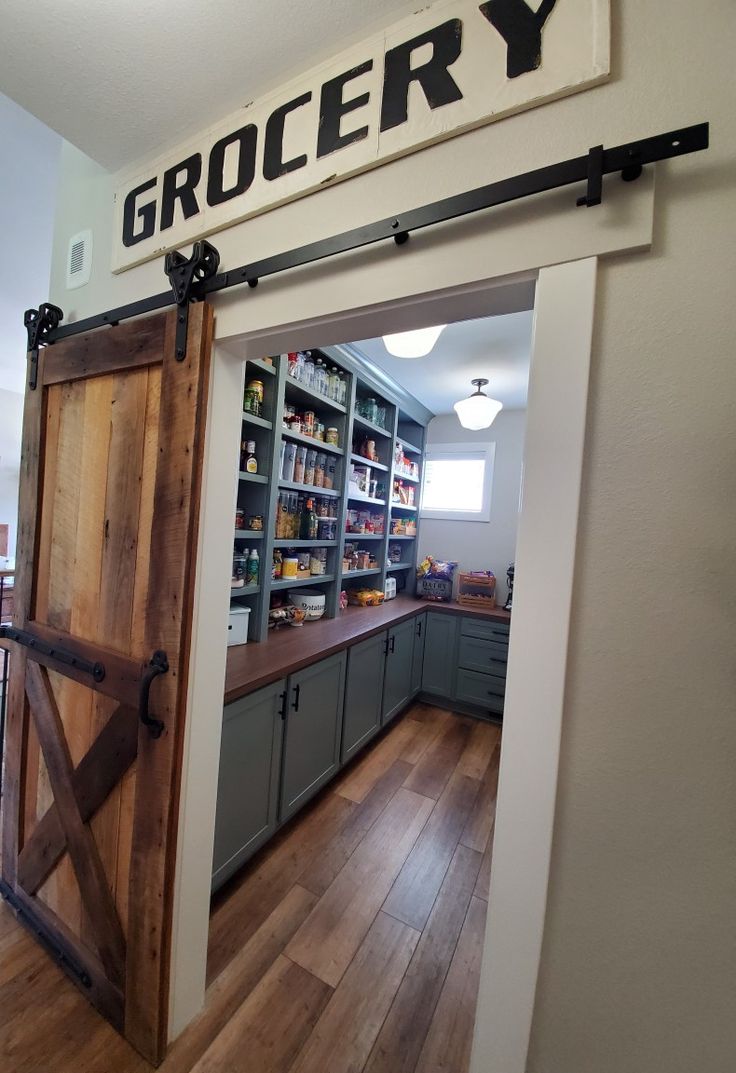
[[308, 523]]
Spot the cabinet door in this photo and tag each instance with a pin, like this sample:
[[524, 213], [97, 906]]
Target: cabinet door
[[312, 732], [397, 678], [420, 629], [362, 716], [247, 790], [440, 643]]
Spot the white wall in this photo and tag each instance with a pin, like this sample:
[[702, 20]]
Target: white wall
[[11, 420], [482, 545], [638, 970]]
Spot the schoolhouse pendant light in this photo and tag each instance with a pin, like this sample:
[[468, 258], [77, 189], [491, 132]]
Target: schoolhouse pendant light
[[415, 344], [477, 411]]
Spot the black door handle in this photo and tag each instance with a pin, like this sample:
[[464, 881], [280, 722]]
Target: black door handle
[[419, 628], [295, 703], [393, 643], [159, 665]]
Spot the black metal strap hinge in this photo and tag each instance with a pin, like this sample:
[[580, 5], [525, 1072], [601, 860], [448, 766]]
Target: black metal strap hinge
[[184, 274], [29, 919], [39, 323], [159, 665], [60, 655]]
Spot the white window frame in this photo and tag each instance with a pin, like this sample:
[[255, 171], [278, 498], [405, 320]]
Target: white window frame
[[444, 452]]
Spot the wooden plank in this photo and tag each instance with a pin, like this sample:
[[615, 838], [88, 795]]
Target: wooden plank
[[403, 1033], [67, 471], [480, 821], [483, 886], [434, 721], [484, 737], [329, 938], [118, 515], [450, 1036], [360, 779], [429, 777], [16, 723], [412, 896], [101, 769], [324, 867], [103, 994], [343, 1036], [238, 979], [47, 489], [122, 674], [269, 1029], [82, 849], [106, 351], [245, 903], [175, 528]]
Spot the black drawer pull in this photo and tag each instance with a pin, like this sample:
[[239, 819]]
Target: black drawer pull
[[419, 628], [393, 643], [295, 704]]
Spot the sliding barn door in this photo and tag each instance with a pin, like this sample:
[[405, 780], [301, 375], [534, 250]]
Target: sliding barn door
[[109, 500]]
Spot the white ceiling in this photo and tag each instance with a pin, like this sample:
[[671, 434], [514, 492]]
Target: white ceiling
[[122, 80], [497, 348]]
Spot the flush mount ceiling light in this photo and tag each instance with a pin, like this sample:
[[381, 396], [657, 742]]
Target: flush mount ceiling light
[[415, 344], [477, 411]]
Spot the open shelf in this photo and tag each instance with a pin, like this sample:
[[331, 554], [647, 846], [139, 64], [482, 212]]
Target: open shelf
[[295, 391], [405, 477], [249, 534], [402, 506], [362, 536], [258, 422], [409, 448], [245, 590], [357, 498], [361, 573], [360, 461], [369, 426], [399, 566], [253, 478], [309, 441], [262, 366], [304, 543], [401, 536], [306, 579], [311, 489]]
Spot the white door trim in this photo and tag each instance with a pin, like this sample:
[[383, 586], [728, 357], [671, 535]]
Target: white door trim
[[535, 684], [564, 308]]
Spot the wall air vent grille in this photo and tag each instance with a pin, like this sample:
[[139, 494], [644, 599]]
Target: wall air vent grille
[[79, 260]]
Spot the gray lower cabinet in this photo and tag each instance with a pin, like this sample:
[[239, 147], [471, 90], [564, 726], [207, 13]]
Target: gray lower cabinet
[[363, 693], [248, 786], [440, 644], [420, 630], [312, 731], [398, 673]]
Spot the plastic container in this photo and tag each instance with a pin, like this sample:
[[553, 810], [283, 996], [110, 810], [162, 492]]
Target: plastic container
[[290, 567], [237, 627]]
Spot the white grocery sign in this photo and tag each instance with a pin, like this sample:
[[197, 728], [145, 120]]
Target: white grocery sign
[[450, 67]]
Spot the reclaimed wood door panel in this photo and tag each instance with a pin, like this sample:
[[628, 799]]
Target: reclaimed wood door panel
[[108, 520]]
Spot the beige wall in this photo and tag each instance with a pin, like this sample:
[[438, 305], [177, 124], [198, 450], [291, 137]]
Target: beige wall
[[638, 970], [482, 545]]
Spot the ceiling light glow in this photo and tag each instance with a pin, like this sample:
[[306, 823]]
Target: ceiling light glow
[[416, 344], [477, 411]]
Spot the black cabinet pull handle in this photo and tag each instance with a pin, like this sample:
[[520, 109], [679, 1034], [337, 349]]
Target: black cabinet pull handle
[[385, 647], [282, 711], [159, 665], [419, 628], [295, 703], [393, 643]]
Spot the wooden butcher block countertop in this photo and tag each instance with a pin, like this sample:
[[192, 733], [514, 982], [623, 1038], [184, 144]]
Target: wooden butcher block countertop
[[289, 649]]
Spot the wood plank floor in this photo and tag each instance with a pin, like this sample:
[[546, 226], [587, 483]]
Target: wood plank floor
[[350, 944]]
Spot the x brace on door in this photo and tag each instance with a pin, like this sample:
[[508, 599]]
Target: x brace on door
[[194, 278]]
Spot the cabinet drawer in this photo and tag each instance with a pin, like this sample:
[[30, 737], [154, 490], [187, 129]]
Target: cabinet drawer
[[477, 654], [490, 631], [484, 690]]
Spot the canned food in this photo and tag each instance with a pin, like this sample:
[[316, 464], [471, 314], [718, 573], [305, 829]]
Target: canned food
[[256, 386], [332, 436], [308, 422]]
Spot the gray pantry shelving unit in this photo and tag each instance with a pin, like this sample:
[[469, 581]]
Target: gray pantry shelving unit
[[259, 493]]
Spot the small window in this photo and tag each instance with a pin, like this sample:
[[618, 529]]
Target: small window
[[457, 482]]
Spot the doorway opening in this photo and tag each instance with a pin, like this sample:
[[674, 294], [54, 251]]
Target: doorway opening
[[385, 872]]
